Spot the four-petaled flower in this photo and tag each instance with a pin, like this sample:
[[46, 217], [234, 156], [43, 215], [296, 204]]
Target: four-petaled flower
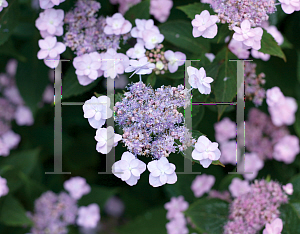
[[175, 60], [206, 151], [141, 66], [251, 37], [88, 216], [161, 172], [50, 48], [274, 228], [288, 188], [117, 25], [77, 187], [205, 25], [289, 6], [87, 67], [97, 110], [198, 79], [106, 139], [129, 168]]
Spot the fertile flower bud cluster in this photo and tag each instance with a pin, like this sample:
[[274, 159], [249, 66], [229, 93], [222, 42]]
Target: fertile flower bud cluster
[[150, 120], [260, 206], [253, 90], [234, 12], [85, 32], [156, 56]]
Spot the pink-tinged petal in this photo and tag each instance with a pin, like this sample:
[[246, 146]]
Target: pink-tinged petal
[[55, 2], [196, 32], [202, 72], [210, 32], [43, 44], [84, 80], [96, 123], [108, 30], [251, 33], [214, 19], [60, 15], [163, 178], [217, 154], [196, 23], [288, 9], [197, 155], [238, 37], [60, 47], [127, 156], [42, 54], [89, 114], [211, 155], [152, 165], [208, 80], [109, 21], [53, 53], [126, 175], [213, 146], [51, 41], [169, 54], [119, 68], [98, 116], [238, 30], [245, 25], [132, 180], [205, 15], [126, 27], [172, 67], [154, 181], [201, 28], [172, 178], [141, 167], [171, 169], [149, 24], [95, 65], [191, 70], [135, 172], [249, 42], [207, 88], [204, 140], [123, 165], [205, 162], [200, 147], [93, 74], [256, 45]]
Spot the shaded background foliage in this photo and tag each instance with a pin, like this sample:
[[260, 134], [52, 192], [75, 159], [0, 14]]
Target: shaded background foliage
[[144, 213]]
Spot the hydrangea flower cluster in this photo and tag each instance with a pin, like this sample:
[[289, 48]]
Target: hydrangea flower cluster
[[260, 204], [202, 184], [282, 109], [53, 213], [177, 222], [253, 90], [150, 120], [86, 33], [12, 107], [234, 12]]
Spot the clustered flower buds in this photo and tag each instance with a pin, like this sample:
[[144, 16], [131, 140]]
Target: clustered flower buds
[[150, 120]]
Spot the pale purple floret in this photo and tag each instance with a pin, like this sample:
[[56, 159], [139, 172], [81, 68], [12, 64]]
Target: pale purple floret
[[117, 25], [46, 4], [50, 48], [175, 59], [202, 184], [88, 216], [3, 4], [53, 213], [205, 25], [77, 187], [3, 187]]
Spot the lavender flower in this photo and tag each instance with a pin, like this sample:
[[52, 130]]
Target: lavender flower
[[150, 120], [85, 32], [53, 213], [261, 206]]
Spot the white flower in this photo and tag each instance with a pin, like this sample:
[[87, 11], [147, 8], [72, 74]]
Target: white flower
[[175, 59], [138, 51], [205, 25], [23, 116], [77, 187], [161, 172], [141, 66], [50, 48], [11, 139], [106, 139], [288, 188], [97, 110], [206, 151], [117, 25], [129, 168], [141, 26], [152, 37], [88, 216], [52, 62], [50, 22], [289, 6], [198, 79], [46, 4]]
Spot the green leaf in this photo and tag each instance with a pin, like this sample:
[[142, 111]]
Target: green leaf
[[151, 79], [153, 221], [289, 213], [71, 86], [179, 74], [9, 18], [197, 115], [297, 122], [298, 66], [286, 44], [32, 75], [270, 46], [9, 49], [138, 11], [98, 194], [225, 91], [179, 33], [208, 215], [13, 213], [193, 9], [217, 163]]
